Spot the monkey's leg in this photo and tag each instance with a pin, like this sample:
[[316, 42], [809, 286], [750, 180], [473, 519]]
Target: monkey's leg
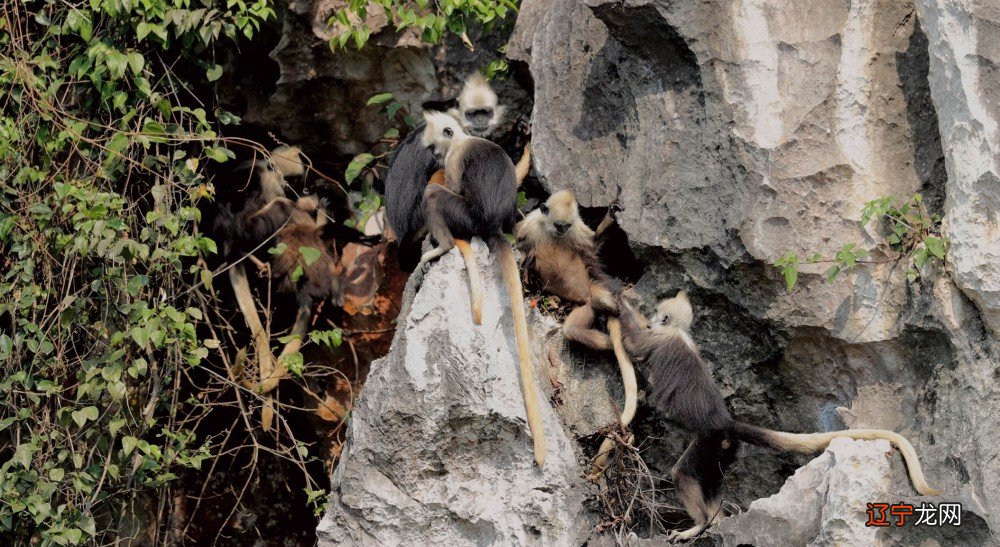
[[475, 280], [446, 210], [261, 339], [631, 390], [578, 327], [270, 205], [523, 166], [698, 476]]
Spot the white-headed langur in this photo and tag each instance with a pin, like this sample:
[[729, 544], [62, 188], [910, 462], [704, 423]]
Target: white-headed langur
[[685, 392], [479, 198], [562, 251], [256, 210], [413, 164]]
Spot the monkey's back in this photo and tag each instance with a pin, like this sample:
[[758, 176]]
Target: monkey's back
[[410, 169], [489, 184], [683, 389]]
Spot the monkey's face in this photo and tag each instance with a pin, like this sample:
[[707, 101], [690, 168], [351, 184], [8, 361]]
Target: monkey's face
[[478, 111], [560, 213], [440, 131], [673, 312]]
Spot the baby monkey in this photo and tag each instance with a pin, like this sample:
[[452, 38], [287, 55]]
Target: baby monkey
[[684, 391]]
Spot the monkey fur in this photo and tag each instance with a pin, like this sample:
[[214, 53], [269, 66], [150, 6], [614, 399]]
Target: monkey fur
[[684, 391], [479, 198], [413, 163], [561, 250], [255, 209]]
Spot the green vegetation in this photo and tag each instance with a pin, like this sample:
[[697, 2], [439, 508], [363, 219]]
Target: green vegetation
[[432, 19], [911, 233], [103, 282]]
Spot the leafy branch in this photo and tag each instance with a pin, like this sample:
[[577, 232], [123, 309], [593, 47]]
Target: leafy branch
[[911, 233]]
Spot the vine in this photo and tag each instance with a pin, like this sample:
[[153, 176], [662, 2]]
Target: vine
[[107, 307]]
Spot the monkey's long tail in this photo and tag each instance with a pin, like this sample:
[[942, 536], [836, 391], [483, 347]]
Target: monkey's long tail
[[631, 390], [270, 381], [475, 280], [808, 443], [512, 279], [261, 340]]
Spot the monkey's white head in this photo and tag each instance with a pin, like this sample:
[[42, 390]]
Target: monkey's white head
[[673, 312], [558, 218], [478, 111], [560, 212], [441, 131]]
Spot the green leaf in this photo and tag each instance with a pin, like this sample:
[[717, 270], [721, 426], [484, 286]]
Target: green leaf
[[356, 166], [277, 250], [84, 414], [791, 274], [294, 362], [117, 143], [128, 444], [935, 245], [832, 273], [219, 153], [214, 73], [297, 273], [309, 255], [56, 474], [380, 98]]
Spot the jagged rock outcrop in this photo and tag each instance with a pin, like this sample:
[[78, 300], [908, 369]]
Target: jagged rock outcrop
[[734, 131], [438, 450], [825, 503]]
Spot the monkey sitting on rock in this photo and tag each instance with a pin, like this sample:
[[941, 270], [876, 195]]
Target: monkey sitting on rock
[[562, 251], [479, 114]]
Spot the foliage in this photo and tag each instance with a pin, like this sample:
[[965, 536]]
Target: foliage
[[432, 19], [104, 292], [911, 233]]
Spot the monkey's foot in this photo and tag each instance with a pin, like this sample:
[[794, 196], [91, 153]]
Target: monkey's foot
[[676, 536]]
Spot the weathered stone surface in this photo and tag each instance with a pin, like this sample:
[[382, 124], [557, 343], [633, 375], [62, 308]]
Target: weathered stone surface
[[964, 45], [438, 449], [319, 99], [823, 503], [737, 130]]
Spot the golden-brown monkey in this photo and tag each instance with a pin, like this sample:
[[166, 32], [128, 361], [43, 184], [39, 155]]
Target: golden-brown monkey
[[562, 251]]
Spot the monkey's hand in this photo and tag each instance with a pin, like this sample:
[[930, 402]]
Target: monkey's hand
[[522, 126], [615, 207]]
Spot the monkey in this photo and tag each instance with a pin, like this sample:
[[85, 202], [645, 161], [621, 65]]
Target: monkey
[[413, 164], [258, 210], [479, 198], [561, 249], [683, 389]]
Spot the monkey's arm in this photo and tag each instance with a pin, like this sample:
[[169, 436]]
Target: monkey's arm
[[633, 329], [609, 218], [602, 298], [345, 234]]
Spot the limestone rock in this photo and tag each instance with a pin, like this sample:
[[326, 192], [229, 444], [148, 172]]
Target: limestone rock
[[964, 46], [438, 449], [734, 131]]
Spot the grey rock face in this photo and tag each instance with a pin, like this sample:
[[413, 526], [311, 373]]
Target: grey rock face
[[439, 451], [964, 46], [737, 130], [823, 503]]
